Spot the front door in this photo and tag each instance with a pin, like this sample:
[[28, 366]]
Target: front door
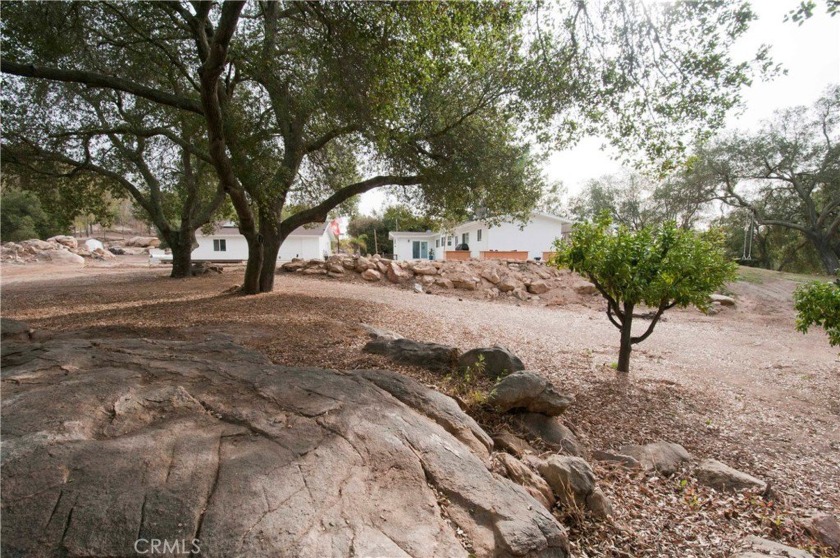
[[420, 250]]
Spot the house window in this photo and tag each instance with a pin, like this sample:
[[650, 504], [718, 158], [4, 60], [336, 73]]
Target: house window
[[465, 238], [219, 245], [449, 241], [437, 243], [478, 236]]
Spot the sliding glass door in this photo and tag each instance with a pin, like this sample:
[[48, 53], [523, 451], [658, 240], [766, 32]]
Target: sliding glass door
[[420, 250]]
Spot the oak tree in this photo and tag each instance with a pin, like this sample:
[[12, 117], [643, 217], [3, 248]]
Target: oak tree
[[785, 175]]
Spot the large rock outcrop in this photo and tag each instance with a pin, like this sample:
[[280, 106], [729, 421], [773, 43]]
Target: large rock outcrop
[[111, 441]]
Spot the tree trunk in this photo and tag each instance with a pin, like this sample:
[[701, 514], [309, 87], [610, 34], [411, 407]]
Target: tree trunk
[[181, 261], [828, 255], [181, 246], [626, 346], [251, 282], [270, 234], [271, 247]]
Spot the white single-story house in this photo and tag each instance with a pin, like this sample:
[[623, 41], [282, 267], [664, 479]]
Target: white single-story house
[[226, 244], [535, 238]]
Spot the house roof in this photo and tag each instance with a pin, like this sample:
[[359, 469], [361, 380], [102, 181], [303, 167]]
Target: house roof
[[533, 214], [317, 229], [552, 216], [411, 234], [310, 230]]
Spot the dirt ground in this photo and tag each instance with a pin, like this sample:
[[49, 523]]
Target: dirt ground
[[741, 386]]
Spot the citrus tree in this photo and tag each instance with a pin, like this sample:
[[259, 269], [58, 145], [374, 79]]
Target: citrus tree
[[818, 304], [659, 267]]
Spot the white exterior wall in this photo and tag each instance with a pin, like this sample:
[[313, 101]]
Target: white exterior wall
[[306, 247], [536, 237], [324, 245], [236, 248], [403, 244], [402, 248], [475, 246], [440, 251]]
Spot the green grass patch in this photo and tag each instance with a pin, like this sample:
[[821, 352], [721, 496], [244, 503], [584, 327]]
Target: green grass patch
[[758, 276]]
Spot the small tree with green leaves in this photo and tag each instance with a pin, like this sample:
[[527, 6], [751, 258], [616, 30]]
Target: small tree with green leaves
[[818, 303], [659, 267]]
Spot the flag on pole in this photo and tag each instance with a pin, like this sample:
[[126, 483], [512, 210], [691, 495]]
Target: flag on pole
[[335, 228]]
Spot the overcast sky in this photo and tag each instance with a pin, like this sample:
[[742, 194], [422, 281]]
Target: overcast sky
[[810, 53]]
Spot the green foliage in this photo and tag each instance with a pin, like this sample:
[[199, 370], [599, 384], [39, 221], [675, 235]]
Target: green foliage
[[636, 200], [805, 10], [393, 218], [776, 248], [786, 175], [64, 197], [650, 76], [659, 266], [471, 385], [818, 303], [653, 266], [22, 217]]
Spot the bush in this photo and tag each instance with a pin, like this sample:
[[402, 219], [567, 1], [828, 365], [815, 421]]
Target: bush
[[23, 217], [818, 303]]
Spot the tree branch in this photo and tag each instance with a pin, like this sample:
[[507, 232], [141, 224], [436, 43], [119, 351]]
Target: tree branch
[[328, 137], [211, 69], [94, 79], [664, 305], [78, 166], [141, 132], [319, 212], [611, 317], [611, 302]]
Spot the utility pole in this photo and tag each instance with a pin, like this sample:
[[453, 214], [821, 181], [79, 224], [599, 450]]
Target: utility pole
[[375, 243]]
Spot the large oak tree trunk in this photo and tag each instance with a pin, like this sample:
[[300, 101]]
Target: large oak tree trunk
[[828, 255], [271, 238], [181, 244], [251, 282], [271, 248], [626, 346], [181, 261]]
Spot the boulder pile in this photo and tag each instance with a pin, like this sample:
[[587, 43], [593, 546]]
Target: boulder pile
[[557, 473], [517, 280], [61, 250], [534, 407]]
